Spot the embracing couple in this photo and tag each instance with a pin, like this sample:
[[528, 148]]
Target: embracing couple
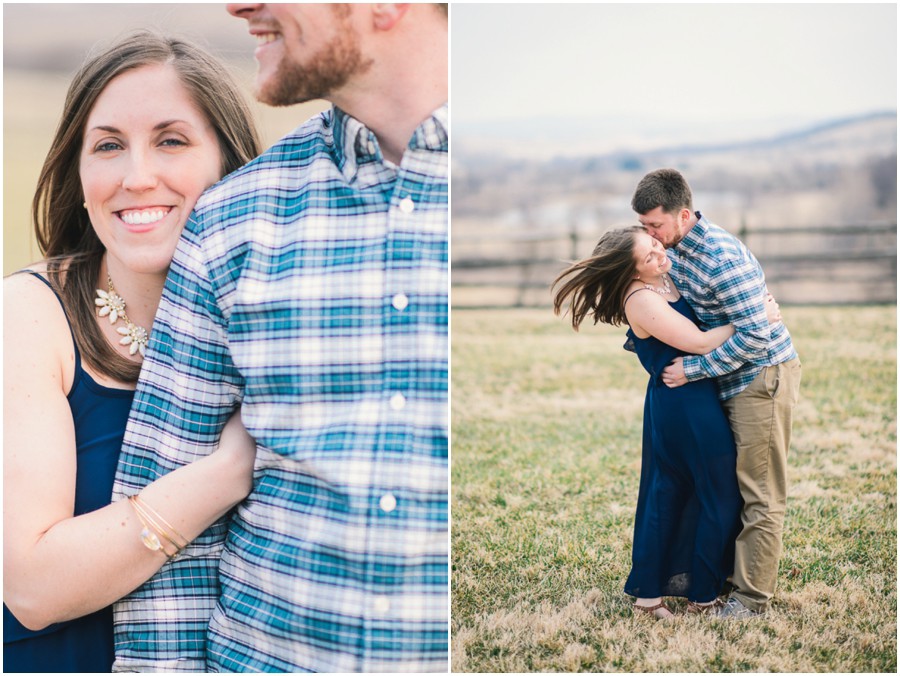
[[724, 379], [225, 416]]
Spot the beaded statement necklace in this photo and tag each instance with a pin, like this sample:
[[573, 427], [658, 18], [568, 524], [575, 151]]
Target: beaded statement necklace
[[110, 304], [667, 288]]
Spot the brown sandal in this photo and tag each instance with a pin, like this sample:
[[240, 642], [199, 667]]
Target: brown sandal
[[651, 610], [694, 608]]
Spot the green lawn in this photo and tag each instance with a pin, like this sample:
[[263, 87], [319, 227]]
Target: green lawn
[[545, 465]]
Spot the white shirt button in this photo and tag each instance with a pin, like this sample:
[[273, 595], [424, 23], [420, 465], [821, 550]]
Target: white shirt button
[[407, 205], [371, 147], [400, 301], [381, 605], [388, 503], [398, 401]]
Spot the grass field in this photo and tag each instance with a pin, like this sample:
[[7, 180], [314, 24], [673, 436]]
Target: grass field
[[546, 460]]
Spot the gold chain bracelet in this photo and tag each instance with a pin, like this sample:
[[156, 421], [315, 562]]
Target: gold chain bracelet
[[156, 529]]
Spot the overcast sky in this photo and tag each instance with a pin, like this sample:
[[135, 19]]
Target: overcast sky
[[672, 62]]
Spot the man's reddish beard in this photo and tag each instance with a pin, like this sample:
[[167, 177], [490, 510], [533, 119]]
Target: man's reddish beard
[[326, 71]]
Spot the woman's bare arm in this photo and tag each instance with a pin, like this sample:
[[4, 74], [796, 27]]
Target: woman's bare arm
[[649, 313], [57, 566]]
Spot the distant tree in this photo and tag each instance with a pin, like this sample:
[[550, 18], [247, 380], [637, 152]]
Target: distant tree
[[883, 174], [631, 164]]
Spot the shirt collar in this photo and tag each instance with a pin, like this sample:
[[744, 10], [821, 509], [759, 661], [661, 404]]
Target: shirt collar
[[694, 237], [432, 133], [355, 144], [350, 142]]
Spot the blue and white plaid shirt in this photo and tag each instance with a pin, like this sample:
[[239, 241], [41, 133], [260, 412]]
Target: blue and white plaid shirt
[[724, 284], [310, 286]]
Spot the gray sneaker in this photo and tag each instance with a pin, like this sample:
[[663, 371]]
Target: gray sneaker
[[735, 610]]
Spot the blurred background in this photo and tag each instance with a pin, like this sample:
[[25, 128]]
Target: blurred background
[[781, 116], [43, 47]]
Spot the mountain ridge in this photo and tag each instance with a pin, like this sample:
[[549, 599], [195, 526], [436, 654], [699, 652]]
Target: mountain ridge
[[594, 146]]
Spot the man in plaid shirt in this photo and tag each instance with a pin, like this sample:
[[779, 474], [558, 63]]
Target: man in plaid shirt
[[757, 371], [310, 287]]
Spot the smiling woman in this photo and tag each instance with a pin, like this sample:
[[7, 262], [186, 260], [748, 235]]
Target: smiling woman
[[110, 155], [114, 194], [142, 169]]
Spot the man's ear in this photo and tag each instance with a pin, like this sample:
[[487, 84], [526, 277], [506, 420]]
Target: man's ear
[[386, 14]]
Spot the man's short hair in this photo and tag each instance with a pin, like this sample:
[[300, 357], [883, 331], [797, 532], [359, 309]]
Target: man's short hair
[[664, 188]]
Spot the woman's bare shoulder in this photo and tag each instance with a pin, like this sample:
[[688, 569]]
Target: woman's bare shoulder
[[24, 280], [642, 298], [34, 320], [23, 287], [641, 303]]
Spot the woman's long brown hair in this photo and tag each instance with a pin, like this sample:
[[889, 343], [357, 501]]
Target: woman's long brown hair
[[62, 227], [597, 284]]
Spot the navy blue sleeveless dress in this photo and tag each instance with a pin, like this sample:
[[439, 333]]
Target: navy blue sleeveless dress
[[86, 643], [689, 504]]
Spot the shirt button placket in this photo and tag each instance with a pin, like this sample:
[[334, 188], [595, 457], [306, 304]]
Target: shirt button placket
[[400, 301], [388, 503], [397, 402], [396, 315]]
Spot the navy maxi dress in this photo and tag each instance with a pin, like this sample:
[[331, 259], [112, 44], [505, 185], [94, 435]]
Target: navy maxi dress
[[689, 504], [84, 644]]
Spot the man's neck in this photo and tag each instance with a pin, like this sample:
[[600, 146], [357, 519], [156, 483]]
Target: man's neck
[[401, 89], [689, 225], [692, 221]]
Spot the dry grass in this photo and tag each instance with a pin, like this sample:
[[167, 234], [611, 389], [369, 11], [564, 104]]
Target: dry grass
[[546, 456]]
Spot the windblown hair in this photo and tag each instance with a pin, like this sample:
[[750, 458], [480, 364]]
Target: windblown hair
[[665, 188], [597, 285], [62, 227]]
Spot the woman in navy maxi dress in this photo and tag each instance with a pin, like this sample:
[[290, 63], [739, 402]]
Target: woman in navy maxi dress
[[688, 507], [688, 510]]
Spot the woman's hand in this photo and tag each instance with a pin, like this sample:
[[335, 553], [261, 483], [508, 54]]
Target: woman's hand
[[773, 313]]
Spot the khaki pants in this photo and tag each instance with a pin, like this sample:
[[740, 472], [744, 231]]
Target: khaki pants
[[760, 418]]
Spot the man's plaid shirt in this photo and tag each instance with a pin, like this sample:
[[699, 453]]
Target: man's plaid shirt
[[724, 284], [310, 286]]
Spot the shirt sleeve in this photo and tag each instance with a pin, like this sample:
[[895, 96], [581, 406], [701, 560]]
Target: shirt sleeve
[[739, 288], [187, 389]]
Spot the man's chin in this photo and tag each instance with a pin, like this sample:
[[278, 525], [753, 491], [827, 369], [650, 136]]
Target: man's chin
[[278, 97], [278, 91], [264, 97]]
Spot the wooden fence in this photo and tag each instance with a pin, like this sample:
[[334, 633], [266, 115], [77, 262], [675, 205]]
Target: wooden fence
[[803, 265]]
